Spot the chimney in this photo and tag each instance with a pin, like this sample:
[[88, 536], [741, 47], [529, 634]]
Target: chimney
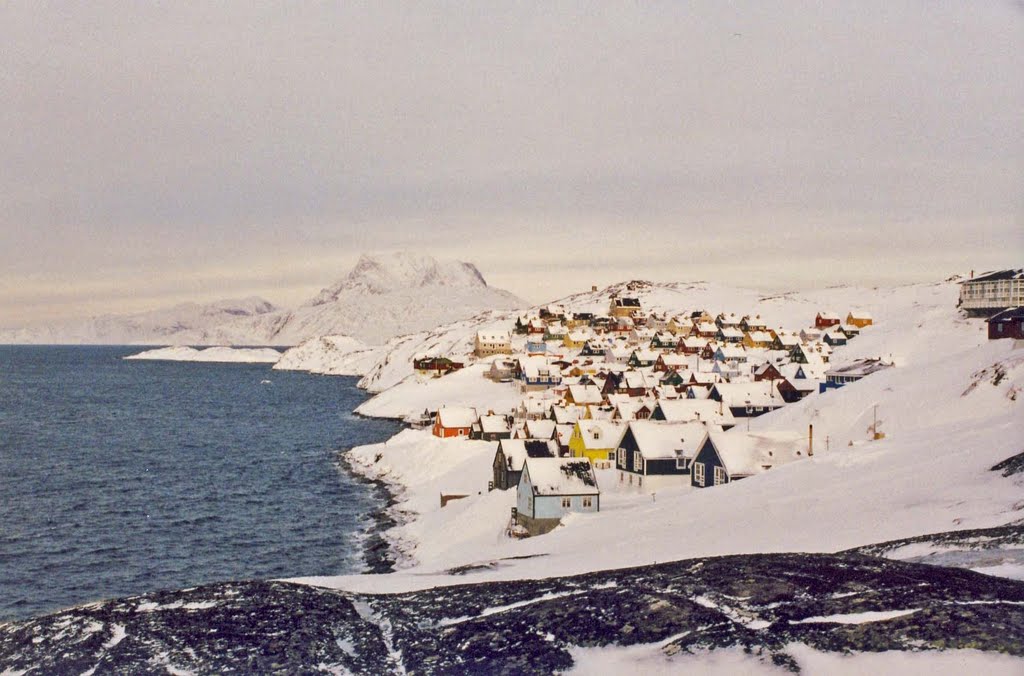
[[593, 287], [972, 274], [810, 440]]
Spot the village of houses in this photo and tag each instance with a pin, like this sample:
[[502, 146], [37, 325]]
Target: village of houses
[[639, 399]]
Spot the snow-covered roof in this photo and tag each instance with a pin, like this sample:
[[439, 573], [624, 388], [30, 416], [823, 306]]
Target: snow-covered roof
[[493, 424], [859, 314], [540, 429], [732, 351], [746, 454], [703, 410], [760, 336], [585, 394], [859, 368], [731, 332], [668, 440], [492, 336], [516, 451], [561, 476], [600, 433], [457, 416], [829, 315], [760, 393], [997, 276]]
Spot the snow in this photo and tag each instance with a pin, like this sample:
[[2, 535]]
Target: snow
[[383, 296], [330, 355], [857, 618], [264, 355], [117, 636], [652, 659], [945, 418], [561, 476]]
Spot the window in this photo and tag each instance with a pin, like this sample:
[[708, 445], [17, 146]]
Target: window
[[638, 462], [611, 456], [698, 473], [682, 463], [719, 476], [566, 503], [622, 457], [588, 502]]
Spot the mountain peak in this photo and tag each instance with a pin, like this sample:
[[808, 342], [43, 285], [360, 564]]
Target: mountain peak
[[385, 273]]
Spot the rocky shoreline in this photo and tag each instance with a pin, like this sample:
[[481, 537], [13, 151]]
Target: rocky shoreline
[[760, 605], [379, 555]]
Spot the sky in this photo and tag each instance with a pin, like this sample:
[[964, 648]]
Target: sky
[[157, 153]]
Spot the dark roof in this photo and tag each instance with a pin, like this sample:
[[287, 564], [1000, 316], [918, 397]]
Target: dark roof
[[997, 276], [1007, 315], [627, 302]]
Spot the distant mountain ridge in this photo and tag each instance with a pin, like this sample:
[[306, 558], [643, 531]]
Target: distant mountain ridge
[[383, 296]]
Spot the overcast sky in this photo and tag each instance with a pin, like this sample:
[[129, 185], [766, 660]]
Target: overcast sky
[[197, 151]]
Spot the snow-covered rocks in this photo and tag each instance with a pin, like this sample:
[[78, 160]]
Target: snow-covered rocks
[[259, 355]]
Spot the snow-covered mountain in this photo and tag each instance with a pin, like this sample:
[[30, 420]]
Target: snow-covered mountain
[[156, 327], [381, 297]]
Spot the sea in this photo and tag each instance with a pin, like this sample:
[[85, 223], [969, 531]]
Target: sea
[[122, 477]]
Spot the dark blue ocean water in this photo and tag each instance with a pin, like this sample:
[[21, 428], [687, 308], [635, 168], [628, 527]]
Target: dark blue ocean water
[[119, 477]]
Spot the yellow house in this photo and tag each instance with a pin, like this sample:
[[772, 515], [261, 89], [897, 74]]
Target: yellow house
[[575, 340], [757, 339], [859, 319], [596, 440]]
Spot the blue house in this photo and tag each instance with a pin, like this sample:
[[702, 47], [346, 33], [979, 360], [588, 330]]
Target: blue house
[[723, 457], [550, 488], [655, 455], [851, 373]]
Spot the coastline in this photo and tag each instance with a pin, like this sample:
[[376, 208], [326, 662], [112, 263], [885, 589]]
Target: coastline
[[379, 555]]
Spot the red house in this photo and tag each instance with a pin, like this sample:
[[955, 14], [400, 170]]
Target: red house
[[1007, 324], [456, 421], [826, 319]]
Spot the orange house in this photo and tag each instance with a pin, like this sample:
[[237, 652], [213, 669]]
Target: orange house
[[455, 421]]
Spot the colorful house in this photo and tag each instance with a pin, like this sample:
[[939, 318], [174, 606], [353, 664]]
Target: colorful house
[[550, 488], [724, 458], [511, 456], [454, 421], [656, 455], [859, 318]]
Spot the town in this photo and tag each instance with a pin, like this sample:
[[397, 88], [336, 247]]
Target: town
[[639, 398]]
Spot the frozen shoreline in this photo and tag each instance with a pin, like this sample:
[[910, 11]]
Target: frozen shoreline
[[241, 355]]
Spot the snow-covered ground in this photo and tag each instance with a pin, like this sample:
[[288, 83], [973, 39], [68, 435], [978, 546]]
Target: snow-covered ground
[[949, 412], [253, 355]]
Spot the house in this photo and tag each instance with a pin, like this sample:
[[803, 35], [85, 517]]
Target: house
[[664, 340], [836, 377], [748, 400], [692, 344], [435, 367], [511, 456], [731, 353], [1007, 324], [655, 455], [617, 354], [642, 358], [727, 320], [633, 409], [755, 324], [595, 440], [785, 341], [535, 346], [536, 373], [757, 339], [823, 320], [992, 292], [834, 337], [544, 428], [623, 307], [490, 343], [729, 457], [703, 329], [583, 395], [810, 335], [767, 371], [575, 340], [593, 348], [567, 415], [851, 330], [860, 319], [670, 362], [454, 421], [705, 411], [550, 488], [491, 427], [501, 371], [730, 334], [555, 331]]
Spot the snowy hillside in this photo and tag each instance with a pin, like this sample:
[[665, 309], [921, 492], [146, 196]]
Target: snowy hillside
[[381, 297], [949, 412]]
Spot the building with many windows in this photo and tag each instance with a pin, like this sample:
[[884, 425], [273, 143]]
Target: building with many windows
[[991, 292]]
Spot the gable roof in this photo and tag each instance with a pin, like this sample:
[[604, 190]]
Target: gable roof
[[746, 454], [693, 410], [561, 476], [516, 451], [456, 416], [667, 440], [600, 434]]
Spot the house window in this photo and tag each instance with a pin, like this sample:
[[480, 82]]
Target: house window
[[638, 462], [719, 475], [622, 457], [698, 473], [588, 502], [611, 455], [462, 433], [682, 463], [566, 503]]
